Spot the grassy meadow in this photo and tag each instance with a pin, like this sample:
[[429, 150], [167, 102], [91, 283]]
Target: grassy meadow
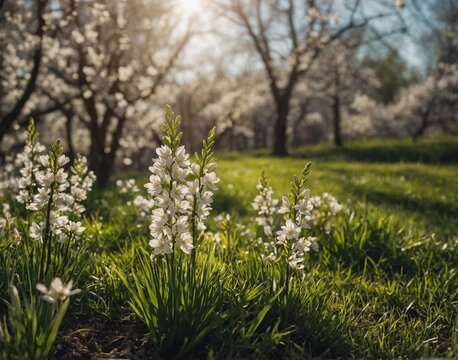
[[416, 183], [382, 285]]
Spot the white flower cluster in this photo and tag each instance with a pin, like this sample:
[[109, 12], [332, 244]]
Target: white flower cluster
[[130, 188], [290, 235], [167, 185], [57, 197], [58, 291], [181, 205], [127, 186], [143, 204], [200, 192], [52, 195], [327, 205], [81, 182], [40, 183], [7, 224], [26, 163], [266, 206], [297, 212]]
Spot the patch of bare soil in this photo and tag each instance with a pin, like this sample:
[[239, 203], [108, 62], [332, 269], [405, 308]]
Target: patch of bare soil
[[83, 338]]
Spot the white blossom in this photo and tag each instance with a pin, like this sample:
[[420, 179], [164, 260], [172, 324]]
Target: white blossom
[[266, 207], [297, 209], [326, 207], [289, 231], [285, 206], [57, 291], [36, 231], [181, 191], [168, 187]]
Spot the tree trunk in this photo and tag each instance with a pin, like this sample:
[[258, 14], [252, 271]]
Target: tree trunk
[[280, 128], [8, 119], [97, 150], [105, 169], [265, 137], [297, 139], [69, 135], [102, 161], [337, 120], [419, 132], [231, 139], [424, 124], [101, 165]]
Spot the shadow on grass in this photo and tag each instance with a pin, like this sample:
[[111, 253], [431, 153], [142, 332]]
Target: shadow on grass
[[225, 202], [426, 191], [424, 206], [440, 149], [424, 176]]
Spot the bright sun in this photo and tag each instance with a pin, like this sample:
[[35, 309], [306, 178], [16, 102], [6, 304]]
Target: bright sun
[[191, 6]]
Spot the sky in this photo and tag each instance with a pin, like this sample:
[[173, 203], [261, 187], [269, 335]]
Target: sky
[[209, 45]]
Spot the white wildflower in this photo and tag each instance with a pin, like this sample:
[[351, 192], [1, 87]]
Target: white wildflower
[[75, 228], [285, 206], [289, 231], [266, 206], [295, 261], [181, 193], [297, 209], [36, 231], [314, 245], [57, 291]]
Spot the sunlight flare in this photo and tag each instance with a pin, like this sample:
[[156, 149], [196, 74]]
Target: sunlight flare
[[191, 7]]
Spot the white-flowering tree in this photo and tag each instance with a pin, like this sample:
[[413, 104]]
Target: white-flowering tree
[[337, 77], [432, 103], [288, 36], [112, 58], [100, 66], [22, 41], [238, 110]]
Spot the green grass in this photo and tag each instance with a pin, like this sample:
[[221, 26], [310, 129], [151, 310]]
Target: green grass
[[420, 195], [394, 292], [438, 149], [384, 284]]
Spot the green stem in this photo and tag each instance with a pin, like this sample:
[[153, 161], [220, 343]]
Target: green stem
[[46, 241], [65, 254], [287, 271], [194, 208]]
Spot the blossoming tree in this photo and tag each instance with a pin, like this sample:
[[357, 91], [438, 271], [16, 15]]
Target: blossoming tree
[[101, 65], [288, 37], [20, 64]]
